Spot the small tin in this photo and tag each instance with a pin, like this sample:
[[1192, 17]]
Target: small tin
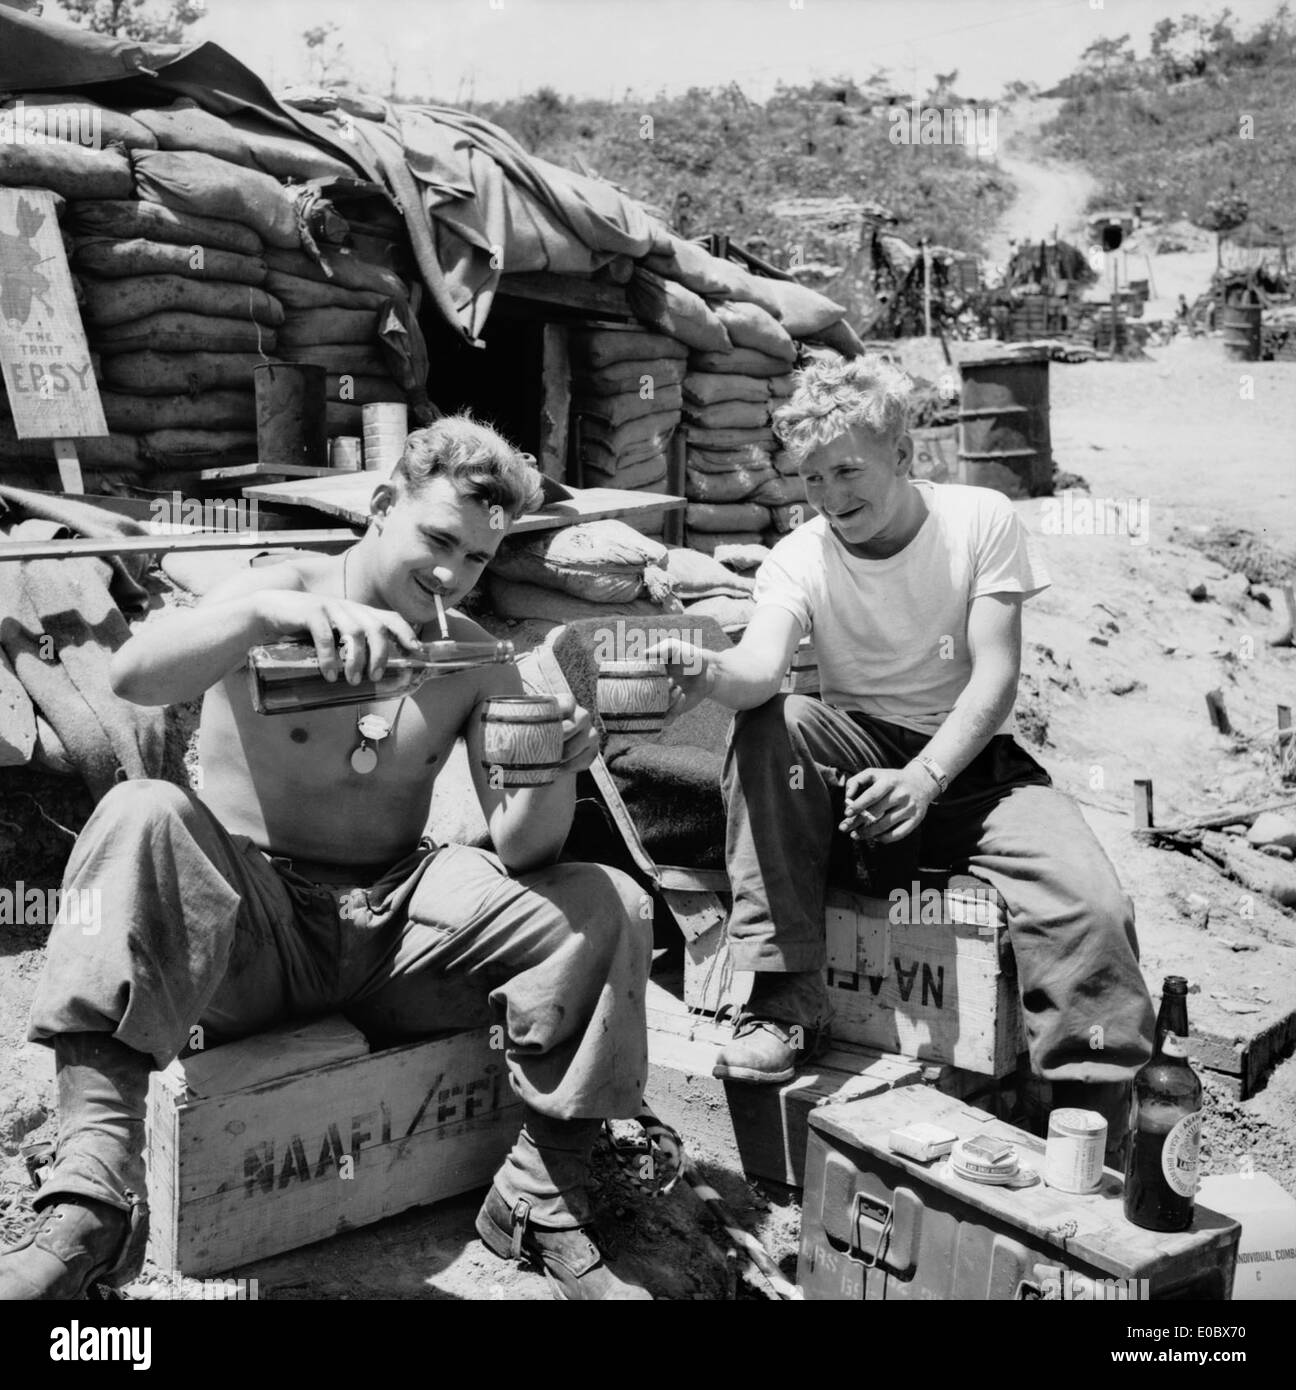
[[1073, 1155], [345, 454]]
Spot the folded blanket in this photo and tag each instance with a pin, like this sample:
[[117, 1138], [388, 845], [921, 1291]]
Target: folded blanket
[[669, 782], [61, 628]]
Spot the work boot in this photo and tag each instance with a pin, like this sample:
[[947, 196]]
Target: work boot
[[93, 1213], [76, 1242], [539, 1209], [782, 1026]]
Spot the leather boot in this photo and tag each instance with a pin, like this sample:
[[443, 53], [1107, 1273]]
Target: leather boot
[[539, 1209], [782, 1026], [93, 1214]]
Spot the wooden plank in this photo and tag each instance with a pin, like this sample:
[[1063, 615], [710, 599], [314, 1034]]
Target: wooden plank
[[295, 1160], [695, 913], [693, 880], [44, 356], [168, 544], [255, 471], [17, 719], [711, 983], [556, 398], [278, 1052], [69, 466], [347, 495], [676, 471], [567, 292]]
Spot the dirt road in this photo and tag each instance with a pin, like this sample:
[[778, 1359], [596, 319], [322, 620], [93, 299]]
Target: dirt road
[[1052, 195]]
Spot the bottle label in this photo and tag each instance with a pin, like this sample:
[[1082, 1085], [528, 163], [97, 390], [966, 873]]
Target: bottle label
[[1179, 1156], [1174, 1046]]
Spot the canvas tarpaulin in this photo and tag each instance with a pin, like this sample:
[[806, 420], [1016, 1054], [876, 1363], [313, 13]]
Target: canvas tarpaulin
[[38, 55], [488, 208]]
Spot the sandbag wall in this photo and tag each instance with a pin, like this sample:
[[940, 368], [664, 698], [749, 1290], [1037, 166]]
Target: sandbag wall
[[731, 341], [627, 396], [184, 237]]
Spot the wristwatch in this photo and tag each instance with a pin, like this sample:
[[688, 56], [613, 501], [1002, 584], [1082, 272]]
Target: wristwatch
[[934, 771]]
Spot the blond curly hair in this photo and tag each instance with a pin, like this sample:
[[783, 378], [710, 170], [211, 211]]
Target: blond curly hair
[[834, 393]]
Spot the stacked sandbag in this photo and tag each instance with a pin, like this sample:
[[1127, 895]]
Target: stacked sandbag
[[176, 308], [730, 481], [736, 493], [335, 309], [708, 589], [627, 396], [597, 569]]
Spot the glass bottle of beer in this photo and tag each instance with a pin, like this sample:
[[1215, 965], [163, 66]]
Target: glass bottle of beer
[[285, 676], [1165, 1123]]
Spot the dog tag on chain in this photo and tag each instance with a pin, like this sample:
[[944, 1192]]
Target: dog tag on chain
[[371, 727], [364, 759]]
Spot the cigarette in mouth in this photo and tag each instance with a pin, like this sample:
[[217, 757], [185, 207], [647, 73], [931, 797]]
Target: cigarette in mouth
[[441, 618]]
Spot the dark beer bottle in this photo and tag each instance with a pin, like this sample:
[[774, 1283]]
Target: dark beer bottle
[[1165, 1123]]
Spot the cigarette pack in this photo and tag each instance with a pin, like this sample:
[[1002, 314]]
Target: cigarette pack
[[922, 1141]]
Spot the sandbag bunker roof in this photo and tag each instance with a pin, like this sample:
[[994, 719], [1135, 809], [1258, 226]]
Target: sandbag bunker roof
[[476, 206]]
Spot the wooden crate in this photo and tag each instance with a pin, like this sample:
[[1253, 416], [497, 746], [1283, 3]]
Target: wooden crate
[[269, 1158], [941, 991], [802, 677]]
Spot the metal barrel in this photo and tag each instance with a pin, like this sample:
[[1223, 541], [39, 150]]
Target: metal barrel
[[290, 415], [1241, 325], [1004, 424]]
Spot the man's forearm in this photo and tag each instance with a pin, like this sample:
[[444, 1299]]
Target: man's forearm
[[532, 825], [180, 656], [976, 717], [737, 682]]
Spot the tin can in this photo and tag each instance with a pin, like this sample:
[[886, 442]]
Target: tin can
[[344, 453], [1073, 1155]]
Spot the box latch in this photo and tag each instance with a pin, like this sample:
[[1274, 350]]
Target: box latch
[[871, 1222]]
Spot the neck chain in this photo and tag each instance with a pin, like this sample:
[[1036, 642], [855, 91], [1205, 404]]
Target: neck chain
[[372, 728]]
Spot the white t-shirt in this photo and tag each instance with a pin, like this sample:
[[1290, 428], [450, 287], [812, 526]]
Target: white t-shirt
[[891, 635]]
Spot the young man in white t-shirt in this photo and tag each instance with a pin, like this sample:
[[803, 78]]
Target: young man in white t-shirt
[[913, 592]]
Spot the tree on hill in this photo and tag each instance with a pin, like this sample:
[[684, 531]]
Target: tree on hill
[[1106, 58], [136, 19], [324, 54]]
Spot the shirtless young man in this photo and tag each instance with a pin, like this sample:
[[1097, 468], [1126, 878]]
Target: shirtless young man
[[913, 591], [300, 883]]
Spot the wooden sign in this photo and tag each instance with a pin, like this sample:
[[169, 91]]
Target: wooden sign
[[43, 350]]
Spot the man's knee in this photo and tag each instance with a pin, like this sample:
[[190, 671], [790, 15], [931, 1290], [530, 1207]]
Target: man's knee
[[613, 901], [777, 715], [146, 802]]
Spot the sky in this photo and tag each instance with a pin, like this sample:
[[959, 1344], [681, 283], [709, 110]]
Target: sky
[[457, 50]]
